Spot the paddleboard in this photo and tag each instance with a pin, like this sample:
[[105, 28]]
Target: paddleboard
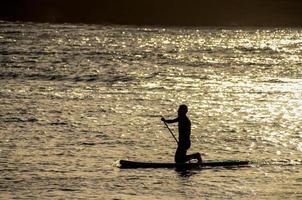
[[126, 164]]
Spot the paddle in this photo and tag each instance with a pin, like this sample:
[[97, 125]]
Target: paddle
[[171, 132]]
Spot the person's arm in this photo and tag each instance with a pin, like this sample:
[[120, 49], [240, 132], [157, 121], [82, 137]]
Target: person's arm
[[169, 121]]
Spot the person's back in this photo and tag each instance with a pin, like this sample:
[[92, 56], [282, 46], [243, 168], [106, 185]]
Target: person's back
[[184, 132]]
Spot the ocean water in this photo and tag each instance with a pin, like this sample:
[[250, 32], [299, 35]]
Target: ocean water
[[76, 98]]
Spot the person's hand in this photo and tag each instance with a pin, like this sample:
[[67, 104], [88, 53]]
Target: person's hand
[[163, 119]]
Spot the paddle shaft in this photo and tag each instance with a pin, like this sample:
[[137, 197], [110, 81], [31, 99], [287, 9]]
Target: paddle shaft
[[171, 132]]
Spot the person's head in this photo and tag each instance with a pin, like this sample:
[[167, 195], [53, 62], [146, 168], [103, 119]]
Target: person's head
[[182, 110]]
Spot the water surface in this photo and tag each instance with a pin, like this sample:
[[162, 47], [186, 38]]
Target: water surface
[[76, 98]]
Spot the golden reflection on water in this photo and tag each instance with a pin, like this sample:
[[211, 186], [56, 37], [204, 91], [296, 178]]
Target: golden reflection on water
[[97, 95]]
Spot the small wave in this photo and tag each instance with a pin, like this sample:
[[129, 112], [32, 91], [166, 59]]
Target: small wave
[[88, 143], [285, 162], [9, 32], [14, 75], [87, 78], [273, 80], [259, 49], [68, 189], [110, 79], [18, 119], [58, 123], [8, 75]]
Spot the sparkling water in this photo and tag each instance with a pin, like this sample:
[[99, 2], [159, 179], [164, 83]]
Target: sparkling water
[[76, 98]]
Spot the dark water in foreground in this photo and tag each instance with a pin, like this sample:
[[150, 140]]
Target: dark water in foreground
[[76, 98]]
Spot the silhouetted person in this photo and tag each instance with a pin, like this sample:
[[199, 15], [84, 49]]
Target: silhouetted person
[[184, 132]]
